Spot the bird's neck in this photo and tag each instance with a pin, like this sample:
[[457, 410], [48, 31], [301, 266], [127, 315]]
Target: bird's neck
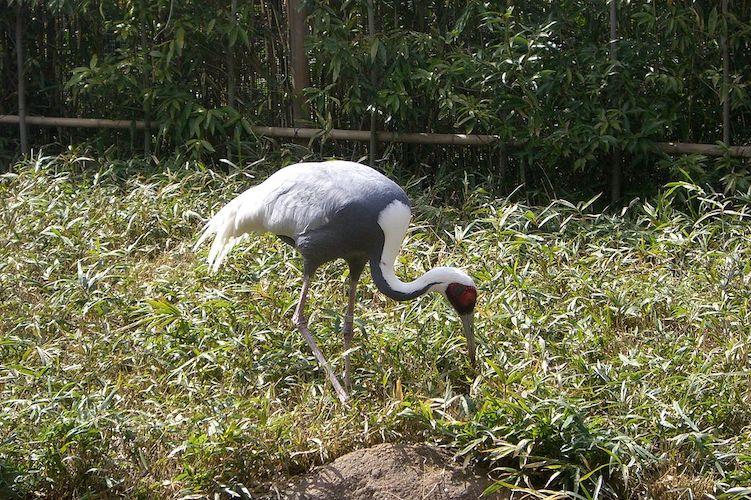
[[390, 285], [393, 221]]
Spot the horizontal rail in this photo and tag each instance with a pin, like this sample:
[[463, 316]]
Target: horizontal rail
[[703, 149], [45, 121], [364, 135], [292, 133]]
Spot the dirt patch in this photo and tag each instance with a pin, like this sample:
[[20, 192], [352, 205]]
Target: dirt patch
[[673, 485], [392, 471]]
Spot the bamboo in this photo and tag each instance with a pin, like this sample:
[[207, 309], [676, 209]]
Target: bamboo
[[22, 129], [725, 92], [703, 149], [231, 80], [47, 121], [146, 82], [616, 171], [300, 74], [373, 145], [293, 133], [364, 135], [502, 162]]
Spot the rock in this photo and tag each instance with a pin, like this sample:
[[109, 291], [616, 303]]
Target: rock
[[392, 471]]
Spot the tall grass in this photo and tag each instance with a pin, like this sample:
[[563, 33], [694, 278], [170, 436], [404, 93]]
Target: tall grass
[[615, 349]]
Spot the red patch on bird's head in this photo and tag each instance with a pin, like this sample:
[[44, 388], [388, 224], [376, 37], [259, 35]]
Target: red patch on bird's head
[[462, 297]]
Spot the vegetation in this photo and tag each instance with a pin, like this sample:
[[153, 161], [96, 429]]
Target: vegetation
[[614, 348], [529, 70], [614, 344]]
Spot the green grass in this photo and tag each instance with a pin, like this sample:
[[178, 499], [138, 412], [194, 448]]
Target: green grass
[[615, 349]]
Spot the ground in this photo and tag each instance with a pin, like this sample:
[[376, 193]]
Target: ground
[[395, 471], [613, 345]]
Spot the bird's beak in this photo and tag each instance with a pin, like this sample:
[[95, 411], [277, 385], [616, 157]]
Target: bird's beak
[[468, 324]]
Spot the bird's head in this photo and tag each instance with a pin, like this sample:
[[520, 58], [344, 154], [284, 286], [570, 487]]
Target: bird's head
[[461, 292]]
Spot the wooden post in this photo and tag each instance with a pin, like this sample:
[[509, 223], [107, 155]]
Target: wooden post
[[231, 85], [145, 81], [57, 75], [373, 144], [231, 82], [725, 92], [300, 75], [502, 161], [21, 82], [616, 171]]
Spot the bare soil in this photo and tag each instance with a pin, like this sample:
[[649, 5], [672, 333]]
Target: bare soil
[[392, 471]]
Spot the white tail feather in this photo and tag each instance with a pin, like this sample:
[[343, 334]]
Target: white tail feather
[[228, 225]]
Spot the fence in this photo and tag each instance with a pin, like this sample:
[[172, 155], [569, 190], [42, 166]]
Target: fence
[[298, 62]]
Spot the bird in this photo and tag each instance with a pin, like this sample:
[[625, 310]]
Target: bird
[[334, 210]]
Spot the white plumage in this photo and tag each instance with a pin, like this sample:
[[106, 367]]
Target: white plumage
[[331, 210], [294, 200]]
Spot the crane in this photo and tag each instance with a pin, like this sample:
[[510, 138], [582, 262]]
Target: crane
[[338, 210]]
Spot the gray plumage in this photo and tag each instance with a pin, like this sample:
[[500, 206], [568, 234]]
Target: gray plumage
[[331, 210], [328, 210]]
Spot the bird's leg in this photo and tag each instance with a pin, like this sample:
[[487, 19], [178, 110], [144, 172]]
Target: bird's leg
[[349, 318], [302, 324]]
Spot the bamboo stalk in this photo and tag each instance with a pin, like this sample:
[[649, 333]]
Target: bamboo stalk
[[364, 135], [293, 133], [616, 170], [502, 162], [725, 92], [373, 145], [231, 80], [145, 81], [300, 74], [703, 149], [22, 130], [48, 121]]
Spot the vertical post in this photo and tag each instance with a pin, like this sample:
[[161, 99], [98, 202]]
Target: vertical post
[[616, 173], [420, 15], [373, 147], [57, 49], [725, 93], [502, 162], [300, 76], [231, 85], [145, 82], [21, 81], [231, 82]]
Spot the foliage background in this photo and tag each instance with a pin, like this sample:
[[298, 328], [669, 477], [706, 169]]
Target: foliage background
[[536, 71]]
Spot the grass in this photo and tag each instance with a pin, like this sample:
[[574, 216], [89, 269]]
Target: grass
[[615, 349]]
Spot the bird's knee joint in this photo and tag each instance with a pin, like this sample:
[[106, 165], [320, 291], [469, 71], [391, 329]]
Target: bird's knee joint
[[300, 320]]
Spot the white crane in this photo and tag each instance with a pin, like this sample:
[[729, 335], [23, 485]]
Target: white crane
[[338, 210]]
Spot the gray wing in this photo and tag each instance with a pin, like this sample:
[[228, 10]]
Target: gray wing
[[303, 197], [296, 200]]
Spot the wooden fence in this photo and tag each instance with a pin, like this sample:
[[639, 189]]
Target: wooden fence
[[301, 79], [366, 135]]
